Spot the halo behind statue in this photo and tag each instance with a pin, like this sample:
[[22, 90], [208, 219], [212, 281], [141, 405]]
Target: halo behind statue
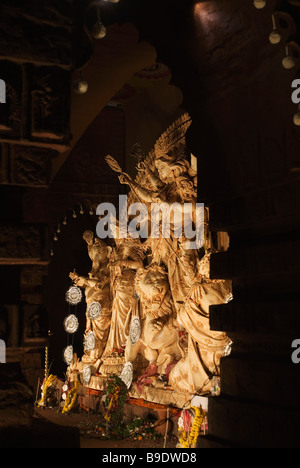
[[71, 323], [173, 137], [170, 145], [94, 310], [73, 295]]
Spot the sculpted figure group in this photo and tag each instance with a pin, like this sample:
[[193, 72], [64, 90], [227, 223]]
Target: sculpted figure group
[[155, 293]]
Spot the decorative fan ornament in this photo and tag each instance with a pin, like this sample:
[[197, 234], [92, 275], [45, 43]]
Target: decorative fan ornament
[[127, 374], [86, 375], [74, 295], [71, 323], [68, 354], [89, 341], [135, 330], [94, 310]]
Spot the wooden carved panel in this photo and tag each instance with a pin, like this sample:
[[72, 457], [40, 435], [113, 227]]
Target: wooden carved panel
[[21, 244], [10, 112], [50, 103], [26, 165], [35, 31]]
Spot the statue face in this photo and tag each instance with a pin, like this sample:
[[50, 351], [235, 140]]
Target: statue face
[[164, 170], [97, 252], [155, 285], [88, 236]]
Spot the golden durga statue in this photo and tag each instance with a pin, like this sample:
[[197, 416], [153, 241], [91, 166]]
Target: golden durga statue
[[155, 293]]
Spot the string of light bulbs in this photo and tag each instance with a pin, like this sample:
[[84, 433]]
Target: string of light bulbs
[[64, 222], [288, 61], [98, 32]]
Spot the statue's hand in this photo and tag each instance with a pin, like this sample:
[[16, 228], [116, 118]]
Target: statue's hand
[[124, 178], [80, 281], [73, 275], [142, 166], [157, 325]]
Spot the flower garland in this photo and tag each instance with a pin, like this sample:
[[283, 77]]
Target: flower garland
[[69, 403], [46, 383], [188, 441], [137, 429], [114, 399]]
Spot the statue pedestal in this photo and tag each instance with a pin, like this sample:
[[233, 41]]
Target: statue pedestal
[[112, 365], [161, 396]]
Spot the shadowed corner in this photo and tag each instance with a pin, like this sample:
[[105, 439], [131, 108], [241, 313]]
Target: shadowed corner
[[18, 427]]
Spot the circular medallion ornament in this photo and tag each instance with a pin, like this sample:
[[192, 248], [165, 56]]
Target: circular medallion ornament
[[94, 310], [71, 323], [68, 354], [89, 341], [86, 375], [73, 295], [135, 330], [127, 374]]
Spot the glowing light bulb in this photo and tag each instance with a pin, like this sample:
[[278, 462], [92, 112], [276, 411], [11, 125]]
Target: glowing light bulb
[[98, 30], [74, 214], [259, 4], [288, 62], [275, 36], [65, 221], [80, 86], [296, 118]]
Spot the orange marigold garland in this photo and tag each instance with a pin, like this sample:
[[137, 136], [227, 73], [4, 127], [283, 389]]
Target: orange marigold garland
[[46, 384], [189, 439], [71, 398]]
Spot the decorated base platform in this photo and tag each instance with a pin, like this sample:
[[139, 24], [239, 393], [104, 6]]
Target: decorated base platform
[[163, 396], [158, 410], [143, 393]]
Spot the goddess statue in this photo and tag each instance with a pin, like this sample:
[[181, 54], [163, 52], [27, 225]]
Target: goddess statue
[[159, 339], [163, 282], [166, 176], [127, 257], [97, 293]]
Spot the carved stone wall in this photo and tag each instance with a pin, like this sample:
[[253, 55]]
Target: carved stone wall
[[26, 29], [36, 57]]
